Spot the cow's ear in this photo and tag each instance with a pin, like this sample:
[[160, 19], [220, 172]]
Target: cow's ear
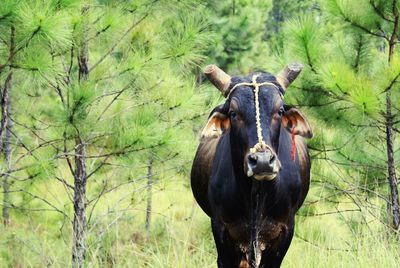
[[292, 118], [218, 123]]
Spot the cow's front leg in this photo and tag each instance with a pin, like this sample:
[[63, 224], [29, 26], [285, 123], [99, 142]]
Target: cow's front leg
[[229, 255], [274, 258]]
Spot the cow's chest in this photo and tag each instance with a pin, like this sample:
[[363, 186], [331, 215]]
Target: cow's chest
[[269, 230]]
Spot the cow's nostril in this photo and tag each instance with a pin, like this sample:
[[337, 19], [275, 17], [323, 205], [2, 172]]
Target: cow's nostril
[[253, 159], [272, 159]]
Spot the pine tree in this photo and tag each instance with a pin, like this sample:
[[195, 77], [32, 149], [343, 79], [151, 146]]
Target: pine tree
[[102, 83], [351, 84], [10, 48]]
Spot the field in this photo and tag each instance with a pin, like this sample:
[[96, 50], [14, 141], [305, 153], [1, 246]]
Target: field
[[180, 236]]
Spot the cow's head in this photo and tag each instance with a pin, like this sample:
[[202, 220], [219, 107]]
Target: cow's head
[[254, 114]]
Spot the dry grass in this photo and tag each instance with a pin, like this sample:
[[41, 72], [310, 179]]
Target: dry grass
[[181, 237]]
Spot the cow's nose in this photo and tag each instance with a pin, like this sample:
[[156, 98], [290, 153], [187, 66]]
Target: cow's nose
[[261, 160], [262, 164]]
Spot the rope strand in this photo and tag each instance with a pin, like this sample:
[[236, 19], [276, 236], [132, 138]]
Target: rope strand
[[257, 104]]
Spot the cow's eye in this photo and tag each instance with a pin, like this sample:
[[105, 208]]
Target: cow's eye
[[281, 110], [233, 114]]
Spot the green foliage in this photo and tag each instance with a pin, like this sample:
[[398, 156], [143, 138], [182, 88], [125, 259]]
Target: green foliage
[[135, 103], [8, 9], [239, 29], [142, 100], [306, 39], [186, 38], [281, 12], [346, 76], [40, 22]]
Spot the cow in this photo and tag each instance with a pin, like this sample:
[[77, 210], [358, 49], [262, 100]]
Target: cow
[[251, 171]]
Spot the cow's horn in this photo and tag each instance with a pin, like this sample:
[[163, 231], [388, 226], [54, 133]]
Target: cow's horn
[[219, 78], [289, 74]]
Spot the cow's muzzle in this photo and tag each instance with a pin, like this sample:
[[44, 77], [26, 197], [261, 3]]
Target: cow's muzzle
[[262, 165]]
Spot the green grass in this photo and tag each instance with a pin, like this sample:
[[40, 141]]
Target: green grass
[[181, 237]]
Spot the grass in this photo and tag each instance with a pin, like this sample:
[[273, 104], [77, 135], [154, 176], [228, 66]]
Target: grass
[[181, 237]]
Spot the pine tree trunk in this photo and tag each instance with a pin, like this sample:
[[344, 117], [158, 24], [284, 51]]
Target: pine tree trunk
[[393, 205], [6, 125], [7, 153], [80, 176], [149, 196], [79, 225]]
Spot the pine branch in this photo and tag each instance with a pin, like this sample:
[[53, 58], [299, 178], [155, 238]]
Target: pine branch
[[366, 30], [33, 69], [113, 100], [103, 163], [100, 32], [55, 87], [389, 87], [121, 72], [352, 164], [3, 41], [358, 52], [122, 91], [331, 149], [359, 26], [18, 49], [19, 179], [96, 200], [71, 61], [130, 180], [379, 12], [316, 105], [46, 202], [321, 247], [71, 169], [64, 182], [127, 150], [309, 62], [181, 121], [102, 58], [329, 212], [31, 151], [393, 37], [3, 17]]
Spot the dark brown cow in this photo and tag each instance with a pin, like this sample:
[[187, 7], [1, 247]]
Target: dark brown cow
[[251, 172]]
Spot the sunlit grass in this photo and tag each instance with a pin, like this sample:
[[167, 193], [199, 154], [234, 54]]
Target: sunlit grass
[[181, 237]]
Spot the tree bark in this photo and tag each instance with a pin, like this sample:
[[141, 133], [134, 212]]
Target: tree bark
[[149, 196], [80, 175], [393, 203], [394, 195], [7, 86], [79, 224], [7, 153], [6, 126]]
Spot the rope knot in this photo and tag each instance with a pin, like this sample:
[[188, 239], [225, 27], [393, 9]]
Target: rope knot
[[259, 147]]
